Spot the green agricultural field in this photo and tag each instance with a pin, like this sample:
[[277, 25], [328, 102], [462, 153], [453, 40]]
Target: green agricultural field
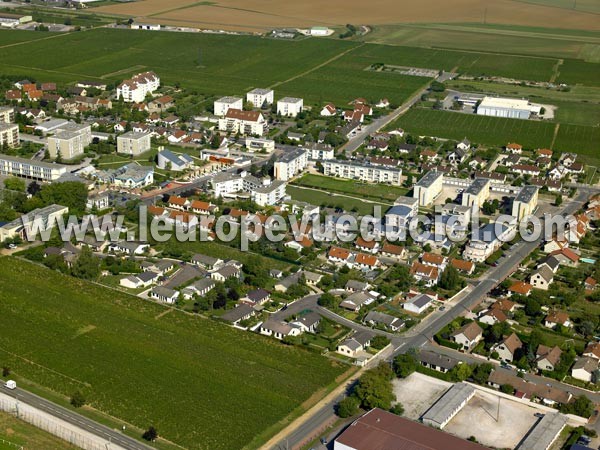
[[470, 63], [365, 190], [321, 198], [203, 384], [480, 129], [488, 38], [579, 139], [575, 71]]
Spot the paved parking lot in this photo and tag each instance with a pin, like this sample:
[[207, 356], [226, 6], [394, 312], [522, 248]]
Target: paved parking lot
[[418, 392], [494, 421]]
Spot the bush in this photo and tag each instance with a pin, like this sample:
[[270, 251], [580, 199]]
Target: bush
[[397, 409], [347, 407], [150, 434], [77, 399]]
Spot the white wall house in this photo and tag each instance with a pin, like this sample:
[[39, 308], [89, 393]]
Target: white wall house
[[428, 187], [133, 143], [222, 105], [290, 106], [290, 164], [243, 122], [259, 97], [135, 89]]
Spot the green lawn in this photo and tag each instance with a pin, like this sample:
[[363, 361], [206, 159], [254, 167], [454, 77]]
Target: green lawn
[[579, 139], [201, 383], [354, 188], [480, 129], [322, 198], [19, 433]]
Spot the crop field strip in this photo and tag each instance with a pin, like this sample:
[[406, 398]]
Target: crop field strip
[[188, 376]]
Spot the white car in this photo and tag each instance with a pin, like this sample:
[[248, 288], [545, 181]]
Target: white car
[[10, 384]]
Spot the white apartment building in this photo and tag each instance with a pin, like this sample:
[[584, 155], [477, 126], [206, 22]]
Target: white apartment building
[[259, 97], [525, 202], [70, 140], [135, 89], [260, 144], [7, 114], [26, 223], [290, 106], [30, 168], [222, 105], [477, 193], [506, 107], [320, 152], [133, 143], [485, 241], [428, 187], [243, 122], [9, 135], [290, 164], [264, 192], [364, 172]]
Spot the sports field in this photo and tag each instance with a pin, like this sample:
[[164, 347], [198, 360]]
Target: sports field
[[267, 14], [203, 385]]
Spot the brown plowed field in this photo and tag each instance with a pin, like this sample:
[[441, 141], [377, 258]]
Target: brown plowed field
[[259, 15]]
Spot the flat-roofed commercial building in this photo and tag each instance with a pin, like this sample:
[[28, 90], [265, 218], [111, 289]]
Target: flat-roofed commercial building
[[428, 187], [30, 168], [525, 202], [505, 107], [477, 193], [355, 170], [9, 135]]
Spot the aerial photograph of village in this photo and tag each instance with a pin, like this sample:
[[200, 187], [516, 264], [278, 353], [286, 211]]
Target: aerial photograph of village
[[299, 225]]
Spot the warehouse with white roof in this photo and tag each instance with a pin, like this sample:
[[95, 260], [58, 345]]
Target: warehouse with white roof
[[512, 108]]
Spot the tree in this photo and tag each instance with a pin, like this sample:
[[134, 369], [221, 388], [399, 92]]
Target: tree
[[397, 409], [450, 278], [14, 184], [482, 373], [461, 372], [507, 389], [379, 342], [72, 194], [558, 200], [87, 266], [374, 389], [150, 434], [347, 407], [582, 406], [404, 365], [33, 188], [326, 300], [77, 399], [5, 371]]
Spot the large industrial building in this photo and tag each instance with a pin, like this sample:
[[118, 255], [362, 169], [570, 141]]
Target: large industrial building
[[525, 202], [382, 430], [506, 107], [428, 187]]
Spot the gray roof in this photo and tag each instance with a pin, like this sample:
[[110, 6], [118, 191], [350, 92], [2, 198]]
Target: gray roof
[[399, 210], [478, 185], [429, 178], [238, 313], [291, 155], [544, 432], [133, 135], [310, 319], [586, 363], [356, 285], [290, 100], [258, 294], [147, 276], [176, 158], [545, 272], [382, 318], [204, 259], [436, 359], [448, 404], [33, 162], [260, 91], [420, 300], [164, 291], [526, 194]]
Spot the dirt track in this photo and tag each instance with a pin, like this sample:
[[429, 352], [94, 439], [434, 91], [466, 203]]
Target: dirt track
[[259, 15]]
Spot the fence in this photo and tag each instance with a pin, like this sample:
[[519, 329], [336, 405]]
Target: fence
[[39, 419]]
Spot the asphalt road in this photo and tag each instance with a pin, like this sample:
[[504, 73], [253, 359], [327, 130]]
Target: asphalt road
[[402, 344], [76, 419]]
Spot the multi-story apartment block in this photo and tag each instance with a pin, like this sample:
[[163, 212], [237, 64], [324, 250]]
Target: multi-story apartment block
[[30, 168], [428, 187], [7, 114], [525, 202], [477, 193], [135, 89], [133, 143], [70, 140], [290, 164], [9, 135], [363, 171], [263, 192], [259, 97], [222, 105], [243, 122], [290, 106], [320, 152]]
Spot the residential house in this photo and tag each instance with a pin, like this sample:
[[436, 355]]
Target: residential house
[[198, 288], [355, 344], [520, 288], [468, 335], [437, 362], [164, 295], [307, 323], [418, 303], [206, 262], [547, 357], [257, 296], [356, 286], [354, 302], [224, 273], [566, 257], [238, 314], [592, 350], [585, 369], [542, 277], [425, 273], [493, 316], [394, 251], [279, 330], [508, 347], [463, 266], [167, 160], [386, 321], [555, 318]]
